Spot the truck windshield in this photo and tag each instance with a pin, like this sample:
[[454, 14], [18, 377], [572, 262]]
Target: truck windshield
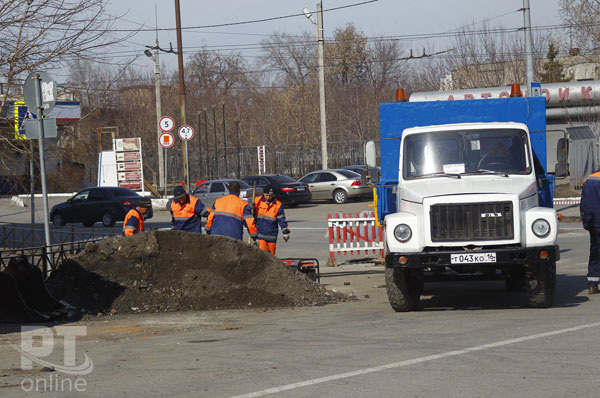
[[504, 151]]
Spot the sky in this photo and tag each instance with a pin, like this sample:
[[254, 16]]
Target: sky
[[376, 18]]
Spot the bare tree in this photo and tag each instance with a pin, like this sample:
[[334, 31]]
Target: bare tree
[[293, 57], [583, 16]]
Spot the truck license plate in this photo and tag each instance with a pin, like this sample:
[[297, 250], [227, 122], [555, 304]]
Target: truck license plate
[[472, 258]]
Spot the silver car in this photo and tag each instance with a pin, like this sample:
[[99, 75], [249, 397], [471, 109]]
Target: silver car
[[336, 184], [210, 191]]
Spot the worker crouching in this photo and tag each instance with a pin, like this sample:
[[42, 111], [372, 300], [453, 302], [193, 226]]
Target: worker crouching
[[229, 215], [134, 219], [269, 218], [186, 211]]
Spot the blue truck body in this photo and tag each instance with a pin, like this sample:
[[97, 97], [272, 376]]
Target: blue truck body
[[397, 116]]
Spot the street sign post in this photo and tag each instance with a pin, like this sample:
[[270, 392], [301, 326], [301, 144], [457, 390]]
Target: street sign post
[[39, 91], [186, 132], [166, 140]]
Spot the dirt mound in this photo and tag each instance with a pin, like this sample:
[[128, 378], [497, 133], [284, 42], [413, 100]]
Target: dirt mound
[[176, 271]]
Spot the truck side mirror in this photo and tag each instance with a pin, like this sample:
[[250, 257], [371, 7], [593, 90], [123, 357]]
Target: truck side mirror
[[370, 154], [561, 169], [562, 150]]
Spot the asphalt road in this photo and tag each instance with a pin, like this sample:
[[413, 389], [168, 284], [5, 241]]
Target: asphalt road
[[470, 338]]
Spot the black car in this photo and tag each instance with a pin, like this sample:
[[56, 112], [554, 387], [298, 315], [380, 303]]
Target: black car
[[105, 204], [288, 191]]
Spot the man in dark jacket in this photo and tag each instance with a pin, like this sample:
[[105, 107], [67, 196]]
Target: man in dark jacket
[[590, 216], [134, 219], [186, 211], [229, 215], [269, 218]]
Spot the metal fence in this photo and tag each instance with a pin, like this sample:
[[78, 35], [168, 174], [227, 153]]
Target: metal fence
[[17, 236], [294, 160], [28, 240], [47, 258]]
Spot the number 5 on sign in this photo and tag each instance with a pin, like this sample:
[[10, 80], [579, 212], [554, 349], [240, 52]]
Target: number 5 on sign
[[166, 124], [186, 132]]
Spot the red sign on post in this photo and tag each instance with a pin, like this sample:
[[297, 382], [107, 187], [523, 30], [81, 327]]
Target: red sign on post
[[166, 140]]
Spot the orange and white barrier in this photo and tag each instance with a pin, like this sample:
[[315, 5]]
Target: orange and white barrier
[[354, 233], [566, 201]]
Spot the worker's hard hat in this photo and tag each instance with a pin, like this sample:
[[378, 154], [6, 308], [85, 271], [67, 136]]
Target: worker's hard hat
[[178, 193], [145, 203]]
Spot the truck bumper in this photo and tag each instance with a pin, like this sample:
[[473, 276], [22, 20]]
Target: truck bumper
[[511, 256]]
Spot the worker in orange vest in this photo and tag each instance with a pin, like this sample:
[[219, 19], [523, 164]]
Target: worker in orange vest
[[134, 219], [229, 215], [186, 211], [269, 212]]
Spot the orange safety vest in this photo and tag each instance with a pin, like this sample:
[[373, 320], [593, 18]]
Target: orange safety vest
[[228, 216], [129, 230]]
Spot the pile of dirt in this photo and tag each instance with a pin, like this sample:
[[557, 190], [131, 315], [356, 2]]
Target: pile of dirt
[[162, 271]]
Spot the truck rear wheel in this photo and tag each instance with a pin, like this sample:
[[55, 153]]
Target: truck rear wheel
[[404, 288], [541, 284]]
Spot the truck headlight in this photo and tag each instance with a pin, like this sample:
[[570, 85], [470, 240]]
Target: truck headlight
[[541, 228], [402, 233]]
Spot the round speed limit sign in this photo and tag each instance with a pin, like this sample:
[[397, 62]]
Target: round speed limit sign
[[166, 123], [186, 132]]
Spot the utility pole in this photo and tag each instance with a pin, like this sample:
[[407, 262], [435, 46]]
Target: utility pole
[[186, 174], [161, 162], [162, 177], [239, 160], [216, 166], [225, 142], [208, 166], [528, 44]]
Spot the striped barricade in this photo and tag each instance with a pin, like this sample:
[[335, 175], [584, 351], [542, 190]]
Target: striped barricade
[[567, 201], [354, 234]]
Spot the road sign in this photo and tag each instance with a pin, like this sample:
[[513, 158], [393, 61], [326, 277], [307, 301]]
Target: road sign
[[186, 132], [166, 123], [262, 164], [32, 128], [48, 92], [166, 140]]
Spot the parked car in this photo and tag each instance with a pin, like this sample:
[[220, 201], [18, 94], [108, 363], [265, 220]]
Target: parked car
[[209, 191], [336, 184], [288, 191], [374, 172], [105, 204]]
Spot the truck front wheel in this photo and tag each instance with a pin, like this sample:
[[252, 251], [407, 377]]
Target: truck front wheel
[[404, 288], [541, 284]]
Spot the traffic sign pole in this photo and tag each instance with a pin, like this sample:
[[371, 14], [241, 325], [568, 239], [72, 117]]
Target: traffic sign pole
[[39, 107]]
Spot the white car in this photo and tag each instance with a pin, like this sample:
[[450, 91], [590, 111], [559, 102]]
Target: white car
[[336, 184]]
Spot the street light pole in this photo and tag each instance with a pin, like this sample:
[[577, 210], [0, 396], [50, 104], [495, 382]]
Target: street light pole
[[321, 67], [161, 163], [528, 44]]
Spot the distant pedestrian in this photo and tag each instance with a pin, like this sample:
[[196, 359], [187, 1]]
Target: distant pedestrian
[[186, 211], [134, 219], [229, 215], [269, 218], [590, 217]]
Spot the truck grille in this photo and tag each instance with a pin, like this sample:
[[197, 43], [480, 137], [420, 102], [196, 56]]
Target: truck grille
[[471, 221]]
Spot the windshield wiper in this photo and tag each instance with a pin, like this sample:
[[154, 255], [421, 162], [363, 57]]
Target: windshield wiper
[[486, 171], [439, 174]]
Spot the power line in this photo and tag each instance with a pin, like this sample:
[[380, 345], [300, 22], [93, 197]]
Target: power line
[[228, 23]]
